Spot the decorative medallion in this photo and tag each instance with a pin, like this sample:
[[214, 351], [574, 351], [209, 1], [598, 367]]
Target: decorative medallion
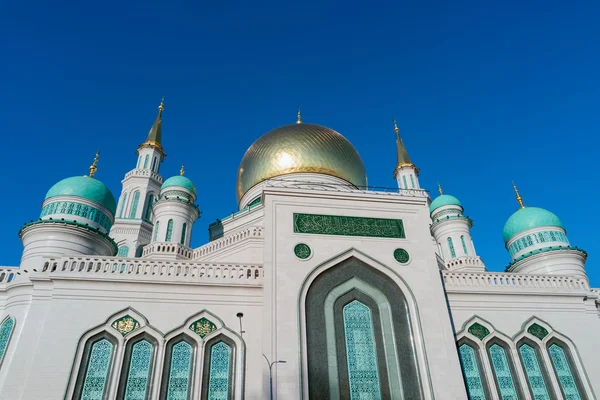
[[126, 325], [401, 256], [348, 226], [478, 330], [203, 327], [302, 251], [538, 331]]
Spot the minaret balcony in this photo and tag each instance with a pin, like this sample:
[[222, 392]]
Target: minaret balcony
[[167, 250], [146, 173]]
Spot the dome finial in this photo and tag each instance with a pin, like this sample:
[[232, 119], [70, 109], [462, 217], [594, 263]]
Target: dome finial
[[182, 170], [162, 104], [440, 188], [396, 129], [519, 198], [94, 166], [299, 121]]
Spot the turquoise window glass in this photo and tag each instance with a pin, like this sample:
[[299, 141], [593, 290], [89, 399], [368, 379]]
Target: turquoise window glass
[[412, 182], [404, 181], [5, 332], [123, 204], [146, 161], [535, 377], [504, 379], [361, 354], [96, 374], [468, 362], [148, 212], [169, 233], [183, 232], [451, 247], [154, 164], [156, 226], [179, 373], [139, 371], [139, 161], [218, 381], [464, 245], [134, 204], [123, 251], [563, 372]]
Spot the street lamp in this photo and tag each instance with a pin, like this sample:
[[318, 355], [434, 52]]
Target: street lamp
[[271, 374]]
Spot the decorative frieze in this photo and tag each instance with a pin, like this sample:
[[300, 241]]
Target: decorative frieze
[[348, 226]]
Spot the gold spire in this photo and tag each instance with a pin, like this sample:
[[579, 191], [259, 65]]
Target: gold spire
[[161, 107], [299, 121], [94, 166], [519, 198], [182, 170], [440, 188]]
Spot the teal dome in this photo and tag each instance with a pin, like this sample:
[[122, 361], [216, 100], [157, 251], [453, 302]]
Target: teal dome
[[88, 188], [443, 200], [179, 181], [529, 218]]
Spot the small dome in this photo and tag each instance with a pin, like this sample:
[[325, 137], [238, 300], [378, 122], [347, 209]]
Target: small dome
[[181, 181], [529, 218], [443, 200], [300, 148], [85, 187]]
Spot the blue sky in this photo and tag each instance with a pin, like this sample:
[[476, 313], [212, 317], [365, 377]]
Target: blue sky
[[484, 93]]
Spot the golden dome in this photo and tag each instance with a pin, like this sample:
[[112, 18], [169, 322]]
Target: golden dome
[[298, 148]]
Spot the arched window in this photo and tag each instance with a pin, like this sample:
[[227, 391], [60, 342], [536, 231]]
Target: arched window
[[96, 363], [178, 370], [137, 369], [471, 371], [218, 369], [169, 233], [534, 372], [134, 204], [6, 330], [138, 162], [156, 227], [563, 368], [123, 251], [148, 212], [139, 251], [503, 373], [154, 164], [464, 245], [146, 161], [451, 247], [412, 182], [183, 232], [123, 204], [404, 181]]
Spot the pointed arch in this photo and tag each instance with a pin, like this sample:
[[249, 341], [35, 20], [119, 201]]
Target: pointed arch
[[6, 330], [148, 210], [169, 233], [123, 204], [134, 204], [146, 161]]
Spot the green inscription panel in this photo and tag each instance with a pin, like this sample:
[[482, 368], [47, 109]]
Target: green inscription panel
[[348, 226]]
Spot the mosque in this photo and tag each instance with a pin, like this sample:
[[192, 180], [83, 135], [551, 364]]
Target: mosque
[[318, 287]]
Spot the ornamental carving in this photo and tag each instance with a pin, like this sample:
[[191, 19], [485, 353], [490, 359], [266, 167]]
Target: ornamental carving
[[126, 325], [478, 330], [348, 226], [202, 327], [302, 251], [538, 331], [401, 256]]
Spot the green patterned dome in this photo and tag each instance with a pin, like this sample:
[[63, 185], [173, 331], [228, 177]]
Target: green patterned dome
[[181, 181], [443, 200], [85, 187], [527, 218]]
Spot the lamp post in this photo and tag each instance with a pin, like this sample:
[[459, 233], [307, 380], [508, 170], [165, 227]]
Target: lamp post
[[270, 364]]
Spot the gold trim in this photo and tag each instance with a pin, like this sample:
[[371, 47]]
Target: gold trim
[[94, 166], [519, 197], [182, 170], [440, 189]]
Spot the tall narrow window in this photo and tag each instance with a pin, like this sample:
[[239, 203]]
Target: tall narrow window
[[169, 233], [360, 346], [412, 182], [464, 245], [146, 161], [149, 204], [156, 226], [535, 377], [504, 379], [451, 247], [5, 331], [96, 374], [134, 204], [138, 375], [123, 204], [179, 371], [404, 181], [470, 368], [183, 232], [139, 161], [564, 372], [123, 251], [153, 163], [218, 381]]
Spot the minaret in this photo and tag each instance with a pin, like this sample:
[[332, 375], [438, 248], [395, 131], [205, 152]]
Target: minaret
[[141, 186], [406, 172]]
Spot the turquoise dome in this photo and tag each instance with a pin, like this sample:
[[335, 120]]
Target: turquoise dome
[[443, 200], [529, 218], [88, 188], [179, 181]]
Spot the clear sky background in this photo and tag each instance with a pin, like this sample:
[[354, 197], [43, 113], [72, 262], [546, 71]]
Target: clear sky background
[[484, 93]]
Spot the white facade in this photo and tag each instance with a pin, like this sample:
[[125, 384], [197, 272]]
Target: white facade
[[276, 282]]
